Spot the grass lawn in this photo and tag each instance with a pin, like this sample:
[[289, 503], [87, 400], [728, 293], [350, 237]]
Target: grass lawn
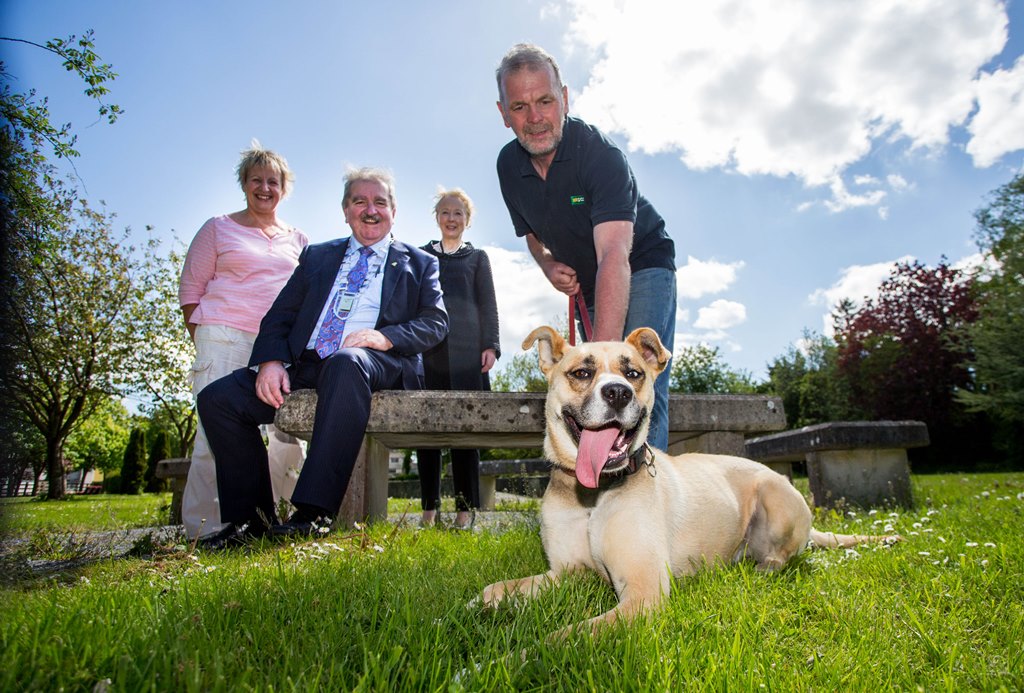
[[84, 513], [384, 609]]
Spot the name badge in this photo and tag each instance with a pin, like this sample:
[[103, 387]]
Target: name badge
[[346, 301]]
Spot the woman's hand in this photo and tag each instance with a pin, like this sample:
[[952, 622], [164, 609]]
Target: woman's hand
[[487, 359], [186, 311]]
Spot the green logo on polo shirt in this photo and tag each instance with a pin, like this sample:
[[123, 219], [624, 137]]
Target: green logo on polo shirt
[[576, 200]]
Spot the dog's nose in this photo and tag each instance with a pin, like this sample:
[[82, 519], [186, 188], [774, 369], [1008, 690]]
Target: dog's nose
[[616, 395]]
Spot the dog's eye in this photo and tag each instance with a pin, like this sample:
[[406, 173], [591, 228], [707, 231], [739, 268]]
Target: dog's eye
[[582, 373], [633, 374]]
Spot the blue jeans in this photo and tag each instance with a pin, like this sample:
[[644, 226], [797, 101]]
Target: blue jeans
[[652, 303]]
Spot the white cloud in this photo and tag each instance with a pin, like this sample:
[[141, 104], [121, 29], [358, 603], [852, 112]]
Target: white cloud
[[843, 199], [803, 345], [983, 265], [698, 278], [719, 316], [898, 182], [998, 126], [856, 283], [796, 87], [525, 298]]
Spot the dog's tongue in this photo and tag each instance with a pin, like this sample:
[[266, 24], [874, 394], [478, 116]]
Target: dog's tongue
[[592, 454]]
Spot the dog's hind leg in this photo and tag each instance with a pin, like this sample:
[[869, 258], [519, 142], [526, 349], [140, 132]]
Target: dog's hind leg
[[830, 540], [779, 526]]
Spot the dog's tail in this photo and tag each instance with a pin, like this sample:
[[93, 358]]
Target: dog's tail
[[830, 540]]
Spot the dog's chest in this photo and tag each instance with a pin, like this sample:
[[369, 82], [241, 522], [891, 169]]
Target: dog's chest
[[624, 518]]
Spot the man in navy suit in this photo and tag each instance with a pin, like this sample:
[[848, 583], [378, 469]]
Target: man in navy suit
[[353, 319]]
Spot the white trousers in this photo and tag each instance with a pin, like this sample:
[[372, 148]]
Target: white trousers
[[219, 351]]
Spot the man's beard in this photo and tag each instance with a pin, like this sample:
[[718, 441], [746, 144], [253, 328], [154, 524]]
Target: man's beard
[[535, 149]]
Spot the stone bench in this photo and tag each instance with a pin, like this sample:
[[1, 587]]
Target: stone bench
[[175, 469], [491, 470], [443, 419], [859, 462]]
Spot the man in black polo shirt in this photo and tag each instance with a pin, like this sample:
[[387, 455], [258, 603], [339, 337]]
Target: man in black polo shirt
[[571, 193]]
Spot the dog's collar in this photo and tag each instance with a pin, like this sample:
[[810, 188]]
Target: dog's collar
[[642, 457]]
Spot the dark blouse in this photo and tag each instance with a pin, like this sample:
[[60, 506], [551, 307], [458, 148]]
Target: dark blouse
[[468, 287]]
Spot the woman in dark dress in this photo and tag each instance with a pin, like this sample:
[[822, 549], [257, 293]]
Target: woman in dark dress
[[463, 359]]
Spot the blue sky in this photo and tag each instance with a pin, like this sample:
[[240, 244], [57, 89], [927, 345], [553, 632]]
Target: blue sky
[[796, 149]]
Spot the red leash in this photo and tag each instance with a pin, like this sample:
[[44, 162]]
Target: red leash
[[588, 331]]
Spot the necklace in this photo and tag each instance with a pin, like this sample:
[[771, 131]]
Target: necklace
[[439, 247]]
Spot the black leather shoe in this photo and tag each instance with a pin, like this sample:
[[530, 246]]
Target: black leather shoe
[[228, 537], [231, 536], [299, 526]]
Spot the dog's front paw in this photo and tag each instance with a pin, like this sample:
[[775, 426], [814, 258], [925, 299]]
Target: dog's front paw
[[483, 600], [492, 595], [515, 591]]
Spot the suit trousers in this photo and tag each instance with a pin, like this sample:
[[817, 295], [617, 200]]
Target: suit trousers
[[232, 414]]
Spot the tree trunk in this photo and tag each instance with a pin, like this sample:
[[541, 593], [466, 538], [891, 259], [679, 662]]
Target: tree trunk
[[55, 470], [81, 479]]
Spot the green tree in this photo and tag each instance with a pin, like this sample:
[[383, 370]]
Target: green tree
[[903, 355], [37, 210], [69, 336], [23, 449], [99, 441], [28, 116], [785, 377], [522, 374], [133, 465], [700, 370], [159, 367], [179, 421], [160, 449], [997, 337], [808, 381]]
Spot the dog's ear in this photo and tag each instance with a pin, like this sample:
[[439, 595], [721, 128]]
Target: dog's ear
[[550, 346], [645, 340]]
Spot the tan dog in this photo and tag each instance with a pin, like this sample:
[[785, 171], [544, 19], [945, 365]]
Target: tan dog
[[633, 514]]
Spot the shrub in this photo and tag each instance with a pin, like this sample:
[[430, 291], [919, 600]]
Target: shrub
[[133, 469]]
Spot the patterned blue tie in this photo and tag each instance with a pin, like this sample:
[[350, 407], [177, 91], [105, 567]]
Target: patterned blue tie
[[329, 339]]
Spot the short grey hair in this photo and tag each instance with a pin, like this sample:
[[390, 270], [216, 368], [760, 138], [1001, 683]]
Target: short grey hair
[[525, 56], [371, 174], [256, 157]]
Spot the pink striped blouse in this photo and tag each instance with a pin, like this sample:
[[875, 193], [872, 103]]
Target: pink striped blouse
[[235, 272]]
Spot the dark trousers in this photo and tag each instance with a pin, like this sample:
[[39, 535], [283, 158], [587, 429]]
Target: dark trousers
[[465, 477], [232, 414]]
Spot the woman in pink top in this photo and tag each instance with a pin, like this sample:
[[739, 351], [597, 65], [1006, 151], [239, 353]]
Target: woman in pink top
[[234, 269]]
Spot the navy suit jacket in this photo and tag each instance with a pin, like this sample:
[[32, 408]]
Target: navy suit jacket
[[412, 312]]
